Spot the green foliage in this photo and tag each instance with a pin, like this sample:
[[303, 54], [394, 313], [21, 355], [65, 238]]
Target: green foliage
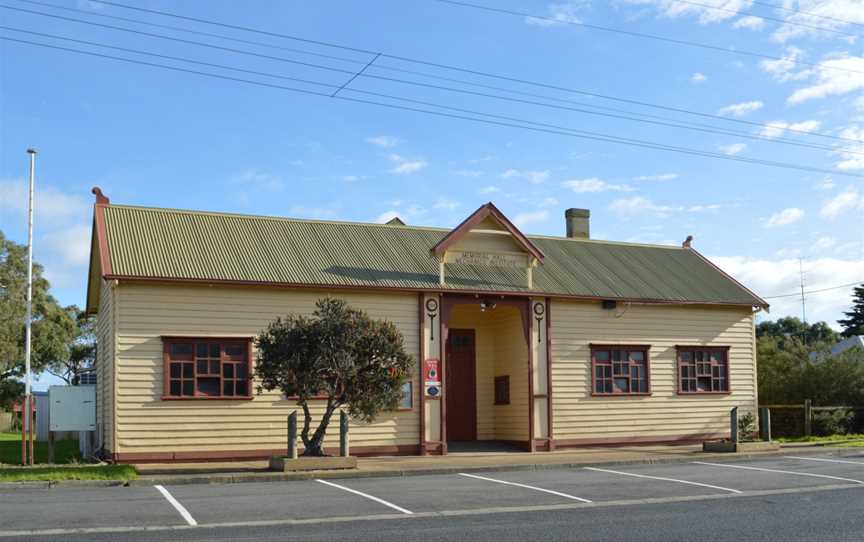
[[85, 472], [854, 324], [837, 421], [791, 328], [80, 349], [747, 427], [339, 353], [53, 327]]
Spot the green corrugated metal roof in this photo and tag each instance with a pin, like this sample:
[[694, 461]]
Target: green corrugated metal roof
[[174, 244]]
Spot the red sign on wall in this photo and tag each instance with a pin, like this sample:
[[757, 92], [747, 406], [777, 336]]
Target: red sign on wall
[[431, 372]]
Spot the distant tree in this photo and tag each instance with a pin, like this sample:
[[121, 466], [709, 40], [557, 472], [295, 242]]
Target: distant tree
[[53, 327], [792, 327], [854, 324], [81, 349], [340, 354]]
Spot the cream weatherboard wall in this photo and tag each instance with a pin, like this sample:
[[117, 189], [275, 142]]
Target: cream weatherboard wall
[[580, 418], [104, 366], [146, 424]]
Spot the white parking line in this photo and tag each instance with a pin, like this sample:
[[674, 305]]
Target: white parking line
[[664, 479], [558, 493], [176, 504], [370, 497], [826, 460], [778, 471]]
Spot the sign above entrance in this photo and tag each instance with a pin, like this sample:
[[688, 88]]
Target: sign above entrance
[[488, 259]]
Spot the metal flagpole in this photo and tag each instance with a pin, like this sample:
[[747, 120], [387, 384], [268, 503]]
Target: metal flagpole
[[28, 379]]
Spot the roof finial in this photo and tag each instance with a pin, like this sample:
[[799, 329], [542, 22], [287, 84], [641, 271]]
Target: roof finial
[[101, 199], [687, 242]]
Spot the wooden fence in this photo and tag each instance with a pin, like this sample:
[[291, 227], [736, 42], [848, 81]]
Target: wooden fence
[[5, 422], [805, 420]]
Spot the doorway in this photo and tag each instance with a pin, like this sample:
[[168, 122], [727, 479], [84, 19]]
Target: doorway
[[461, 385]]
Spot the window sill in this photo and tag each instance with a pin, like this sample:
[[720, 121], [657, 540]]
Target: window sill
[[648, 394], [505, 404], [704, 393], [207, 398]]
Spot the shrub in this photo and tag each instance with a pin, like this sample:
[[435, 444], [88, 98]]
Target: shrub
[[747, 427], [838, 421]]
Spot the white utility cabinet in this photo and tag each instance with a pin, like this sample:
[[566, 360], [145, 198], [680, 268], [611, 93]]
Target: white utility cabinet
[[72, 408]]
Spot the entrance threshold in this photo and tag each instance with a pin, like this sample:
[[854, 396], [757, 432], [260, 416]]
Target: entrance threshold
[[485, 447]]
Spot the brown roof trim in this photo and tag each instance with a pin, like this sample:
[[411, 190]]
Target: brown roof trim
[[761, 302], [475, 218], [481, 293], [102, 238]]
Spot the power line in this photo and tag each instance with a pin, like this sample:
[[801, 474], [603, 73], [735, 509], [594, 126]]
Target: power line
[[416, 61], [643, 35], [767, 18], [353, 74], [469, 115], [807, 13], [797, 294]]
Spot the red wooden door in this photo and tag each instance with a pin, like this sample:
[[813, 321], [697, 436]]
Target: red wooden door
[[461, 386]]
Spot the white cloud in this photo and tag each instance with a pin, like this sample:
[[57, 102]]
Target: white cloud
[[732, 149], [638, 205], [444, 203], [820, 16], [785, 217], [71, 244], [783, 68], [741, 109], [387, 216], [352, 178], [523, 219], [558, 14], [841, 203], [260, 180], [468, 173], [405, 166], [316, 213], [489, 189], [825, 184], [778, 127], [853, 153], [594, 185], [750, 22], [383, 141], [401, 210], [50, 206], [769, 277], [698, 78], [837, 75], [706, 11], [660, 177], [824, 243], [533, 177]]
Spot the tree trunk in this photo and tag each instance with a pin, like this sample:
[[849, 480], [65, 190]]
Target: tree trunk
[[314, 446]]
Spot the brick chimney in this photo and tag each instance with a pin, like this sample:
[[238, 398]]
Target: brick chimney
[[578, 223]]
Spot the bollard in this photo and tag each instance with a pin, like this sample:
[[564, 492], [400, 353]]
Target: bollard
[[808, 417], [343, 434], [765, 423], [292, 435], [733, 425]]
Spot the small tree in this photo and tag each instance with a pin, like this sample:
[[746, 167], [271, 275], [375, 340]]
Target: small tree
[[338, 353], [854, 324]]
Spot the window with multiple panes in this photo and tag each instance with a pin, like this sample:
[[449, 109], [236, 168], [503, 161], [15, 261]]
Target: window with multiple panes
[[407, 401], [620, 370], [502, 390], [207, 368], [703, 370]]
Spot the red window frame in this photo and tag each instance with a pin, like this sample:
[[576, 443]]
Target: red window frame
[[607, 372], [698, 365], [205, 368]]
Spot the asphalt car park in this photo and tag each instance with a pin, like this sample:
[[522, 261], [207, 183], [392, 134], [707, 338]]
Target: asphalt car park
[[70, 509]]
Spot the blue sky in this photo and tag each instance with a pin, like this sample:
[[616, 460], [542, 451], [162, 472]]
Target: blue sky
[[149, 136]]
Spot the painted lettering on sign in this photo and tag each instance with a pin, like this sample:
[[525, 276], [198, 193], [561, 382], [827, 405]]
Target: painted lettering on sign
[[492, 259]]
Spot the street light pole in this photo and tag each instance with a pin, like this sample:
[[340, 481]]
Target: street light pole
[[28, 379]]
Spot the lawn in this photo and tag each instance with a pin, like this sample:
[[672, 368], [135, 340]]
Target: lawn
[[841, 441], [67, 467]]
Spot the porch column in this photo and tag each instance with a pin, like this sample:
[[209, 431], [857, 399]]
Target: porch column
[[540, 388], [433, 438]]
